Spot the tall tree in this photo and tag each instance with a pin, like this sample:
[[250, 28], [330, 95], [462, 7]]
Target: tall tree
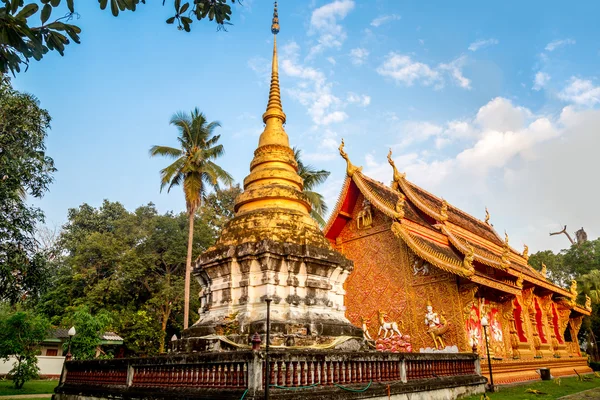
[[21, 40], [194, 169], [313, 178], [25, 169]]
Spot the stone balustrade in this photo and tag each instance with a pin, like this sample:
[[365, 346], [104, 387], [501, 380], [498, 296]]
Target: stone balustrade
[[235, 372]]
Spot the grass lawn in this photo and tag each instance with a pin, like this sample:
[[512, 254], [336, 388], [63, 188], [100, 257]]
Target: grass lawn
[[31, 387], [551, 389]]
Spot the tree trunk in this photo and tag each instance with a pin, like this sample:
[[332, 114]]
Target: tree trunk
[[163, 328], [188, 271]]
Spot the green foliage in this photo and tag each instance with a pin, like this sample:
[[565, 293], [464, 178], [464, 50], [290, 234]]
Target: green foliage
[[24, 170], [89, 329], [22, 39], [569, 263], [556, 270], [130, 263], [218, 207], [142, 333], [194, 168], [20, 336], [312, 178]]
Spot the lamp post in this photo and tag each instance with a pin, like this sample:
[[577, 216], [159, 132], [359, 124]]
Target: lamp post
[[71, 333], [268, 300], [485, 323], [173, 340]]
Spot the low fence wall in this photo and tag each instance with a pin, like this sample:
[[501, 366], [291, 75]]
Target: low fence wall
[[50, 367], [244, 371]]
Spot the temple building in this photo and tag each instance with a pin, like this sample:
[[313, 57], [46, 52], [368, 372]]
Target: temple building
[[436, 271]]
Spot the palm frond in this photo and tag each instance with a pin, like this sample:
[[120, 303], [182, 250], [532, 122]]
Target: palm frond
[[165, 151]]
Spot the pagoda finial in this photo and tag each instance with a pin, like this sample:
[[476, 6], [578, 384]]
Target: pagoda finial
[[274, 117], [275, 24], [350, 168]]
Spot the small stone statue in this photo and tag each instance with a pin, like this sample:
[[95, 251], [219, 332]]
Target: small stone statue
[[437, 326]]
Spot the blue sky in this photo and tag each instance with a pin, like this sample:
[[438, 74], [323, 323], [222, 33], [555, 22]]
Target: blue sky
[[484, 104]]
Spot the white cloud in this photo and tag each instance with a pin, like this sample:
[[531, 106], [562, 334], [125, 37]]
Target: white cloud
[[403, 69], [261, 66], [331, 60], [312, 89], [581, 91], [324, 23], [540, 81], [335, 116], [354, 98], [501, 115], [532, 171], [383, 19], [455, 69], [559, 43], [479, 44], [359, 55]]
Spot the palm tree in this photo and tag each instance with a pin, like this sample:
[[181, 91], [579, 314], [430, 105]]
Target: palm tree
[[193, 169], [312, 178]]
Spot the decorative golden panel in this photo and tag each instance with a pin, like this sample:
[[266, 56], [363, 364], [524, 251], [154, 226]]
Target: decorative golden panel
[[389, 277]]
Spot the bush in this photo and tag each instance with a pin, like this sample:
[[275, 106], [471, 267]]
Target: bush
[[595, 365]]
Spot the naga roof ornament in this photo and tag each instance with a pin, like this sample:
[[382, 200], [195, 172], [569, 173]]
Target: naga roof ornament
[[444, 211], [544, 270], [487, 216], [519, 282], [400, 206], [350, 168], [505, 260], [526, 253], [397, 175], [469, 257]]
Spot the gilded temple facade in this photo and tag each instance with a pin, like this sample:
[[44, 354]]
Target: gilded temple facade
[[435, 271]]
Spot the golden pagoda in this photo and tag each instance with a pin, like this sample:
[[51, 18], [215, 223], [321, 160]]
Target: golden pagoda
[[272, 248]]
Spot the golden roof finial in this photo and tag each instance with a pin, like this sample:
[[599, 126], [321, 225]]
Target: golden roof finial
[[350, 169], [397, 175], [526, 252], [469, 257], [487, 216], [444, 211], [505, 239], [400, 206], [519, 282], [544, 270]]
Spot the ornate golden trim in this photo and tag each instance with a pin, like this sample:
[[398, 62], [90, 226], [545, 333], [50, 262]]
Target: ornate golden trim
[[439, 260], [338, 205], [374, 198]]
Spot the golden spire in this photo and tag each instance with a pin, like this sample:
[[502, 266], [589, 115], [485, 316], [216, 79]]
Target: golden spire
[[273, 181], [274, 117], [273, 206]]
